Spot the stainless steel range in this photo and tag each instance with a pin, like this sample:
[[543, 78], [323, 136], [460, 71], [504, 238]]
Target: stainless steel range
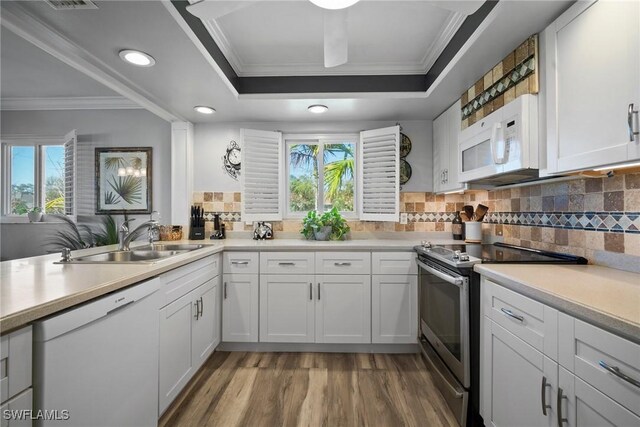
[[449, 308]]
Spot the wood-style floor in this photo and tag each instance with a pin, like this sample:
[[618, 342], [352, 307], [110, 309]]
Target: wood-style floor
[[310, 389]]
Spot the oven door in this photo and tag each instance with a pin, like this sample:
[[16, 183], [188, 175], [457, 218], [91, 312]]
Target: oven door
[[444, 316]]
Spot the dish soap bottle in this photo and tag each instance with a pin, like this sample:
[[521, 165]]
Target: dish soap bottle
[[456, 227]]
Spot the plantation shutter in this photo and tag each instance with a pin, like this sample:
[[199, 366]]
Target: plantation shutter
[[379, 174], [262, 175], [70, 192]]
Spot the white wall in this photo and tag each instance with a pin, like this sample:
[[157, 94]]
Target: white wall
[[211, 141]]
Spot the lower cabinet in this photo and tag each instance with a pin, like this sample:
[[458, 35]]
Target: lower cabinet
[[22, 402], [519, 383], [394, 309], [189, 332], [240, 307], [343, 309], [287, 308], [581, 405]]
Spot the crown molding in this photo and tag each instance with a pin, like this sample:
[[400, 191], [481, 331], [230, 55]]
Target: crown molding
[[68, 103], [20, 21], [449, 29]]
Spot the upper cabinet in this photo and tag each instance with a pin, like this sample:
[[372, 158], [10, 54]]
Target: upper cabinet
[[446, 129], [593, 74]]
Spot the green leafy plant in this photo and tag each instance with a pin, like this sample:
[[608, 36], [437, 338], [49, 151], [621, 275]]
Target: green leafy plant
[[80, 236], [314, 222], [36, 209], [108, 235]]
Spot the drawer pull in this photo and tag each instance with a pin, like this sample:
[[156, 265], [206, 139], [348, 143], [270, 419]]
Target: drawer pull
[[240, 262], [286, 263], [561, 419], [543, 395], [311, 291], [342, 264], [318, 291], [616, 371], [201, 307], [510, 314], [225, 290]]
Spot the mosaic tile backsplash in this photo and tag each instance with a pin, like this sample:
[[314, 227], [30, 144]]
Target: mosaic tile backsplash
[[580, 216]]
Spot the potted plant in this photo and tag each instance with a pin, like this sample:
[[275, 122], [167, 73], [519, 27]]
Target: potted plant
[[328, 226], [35, 214]]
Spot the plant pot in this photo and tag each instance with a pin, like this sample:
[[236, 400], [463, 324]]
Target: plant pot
[[323, 233], [34, 216]]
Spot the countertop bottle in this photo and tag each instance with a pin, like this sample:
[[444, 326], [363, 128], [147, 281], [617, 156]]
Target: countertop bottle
[[456, 227]]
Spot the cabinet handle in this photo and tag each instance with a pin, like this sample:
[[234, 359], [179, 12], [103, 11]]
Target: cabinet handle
[[201, 306], [197, 316], [446, 176], [510, 314], [311, 291], [561, 419], [616, 371], [630, 114], [543, 395], [286, 263], [225, 290], [318, 291], [342, 264], [240, 262]]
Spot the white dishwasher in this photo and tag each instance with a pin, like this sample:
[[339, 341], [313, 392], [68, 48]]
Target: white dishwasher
[[99, 362]]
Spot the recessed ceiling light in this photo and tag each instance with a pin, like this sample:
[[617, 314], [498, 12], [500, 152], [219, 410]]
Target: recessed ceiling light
[[203, 109], [334, 4], [136, 57], [318, 109]]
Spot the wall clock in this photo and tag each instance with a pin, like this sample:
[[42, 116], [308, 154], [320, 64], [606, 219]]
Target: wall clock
[[231, 160]]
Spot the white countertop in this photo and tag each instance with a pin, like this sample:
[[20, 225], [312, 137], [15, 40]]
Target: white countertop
[[602, 296]]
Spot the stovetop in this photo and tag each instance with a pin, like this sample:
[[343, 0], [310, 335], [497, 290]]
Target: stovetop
[[456, 255]]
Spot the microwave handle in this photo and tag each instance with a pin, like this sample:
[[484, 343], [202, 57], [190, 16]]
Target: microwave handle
[[498, 144]]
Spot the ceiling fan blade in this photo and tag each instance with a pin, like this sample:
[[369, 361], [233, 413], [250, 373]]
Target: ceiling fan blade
[[465, 7], [214, 9], [336, 41]]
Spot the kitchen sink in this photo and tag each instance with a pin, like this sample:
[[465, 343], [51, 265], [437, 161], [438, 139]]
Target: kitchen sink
[[143, 254]]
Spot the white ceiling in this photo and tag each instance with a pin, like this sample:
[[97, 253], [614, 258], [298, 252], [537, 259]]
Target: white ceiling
[[183, 77], [283, 38]]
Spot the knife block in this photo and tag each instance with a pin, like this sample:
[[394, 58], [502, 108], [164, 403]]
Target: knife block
[[196, 233]]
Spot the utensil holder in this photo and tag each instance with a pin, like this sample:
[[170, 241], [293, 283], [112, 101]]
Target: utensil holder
[[196, 233], [473, 232]]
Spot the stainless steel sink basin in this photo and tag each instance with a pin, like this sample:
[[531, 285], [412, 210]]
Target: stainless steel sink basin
[[125, 257], [171, 247]]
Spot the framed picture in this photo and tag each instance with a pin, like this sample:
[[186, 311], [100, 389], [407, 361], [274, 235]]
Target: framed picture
[[123, 180]]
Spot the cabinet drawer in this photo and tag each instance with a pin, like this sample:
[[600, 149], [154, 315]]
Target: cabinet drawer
[[529, 320], [241, 262], [394, 263], [286, 263], [15, 362], [183, 280], [586, 349], [343, 263], [22, 402]]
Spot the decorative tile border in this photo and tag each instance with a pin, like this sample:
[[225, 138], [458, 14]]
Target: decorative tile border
[[616, 222], [430, 216]]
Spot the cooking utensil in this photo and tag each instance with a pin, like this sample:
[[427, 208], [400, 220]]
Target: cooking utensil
[[481, 211], [468, 210], [464, 217]]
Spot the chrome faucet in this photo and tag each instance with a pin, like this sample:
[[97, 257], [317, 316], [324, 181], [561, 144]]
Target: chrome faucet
[[127, 236]]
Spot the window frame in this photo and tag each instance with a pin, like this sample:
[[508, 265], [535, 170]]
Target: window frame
[[39, 143], [321, 140]]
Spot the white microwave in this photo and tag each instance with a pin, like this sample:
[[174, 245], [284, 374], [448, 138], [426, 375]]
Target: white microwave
[[502, 148]]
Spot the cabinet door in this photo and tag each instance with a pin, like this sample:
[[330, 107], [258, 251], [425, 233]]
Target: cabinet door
[[593, 69], [287, 308], [440, 151], [343, 309], [513, 374], [21, 402], [584, 406], [175, 361], [453, 131], [240, 308], [394, 308], [205, 331]]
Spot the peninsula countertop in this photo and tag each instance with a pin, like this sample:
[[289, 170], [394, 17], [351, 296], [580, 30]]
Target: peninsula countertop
[[603, 296]]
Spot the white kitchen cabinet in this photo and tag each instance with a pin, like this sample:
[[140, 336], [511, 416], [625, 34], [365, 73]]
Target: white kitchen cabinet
[[189, 333], [446, 129], [16, 375], [287, 308], [593, 69], [343, 309], [240, 307], [582, 405], [21, 402], [519, 382], [394, 308]]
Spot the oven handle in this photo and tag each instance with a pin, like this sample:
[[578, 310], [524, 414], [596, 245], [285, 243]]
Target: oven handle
[[447, 278]]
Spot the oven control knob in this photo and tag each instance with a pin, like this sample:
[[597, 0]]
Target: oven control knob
[[463, 256], [426, 244]]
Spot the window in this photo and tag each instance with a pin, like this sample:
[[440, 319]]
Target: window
[[38, 172], [321, 173]]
